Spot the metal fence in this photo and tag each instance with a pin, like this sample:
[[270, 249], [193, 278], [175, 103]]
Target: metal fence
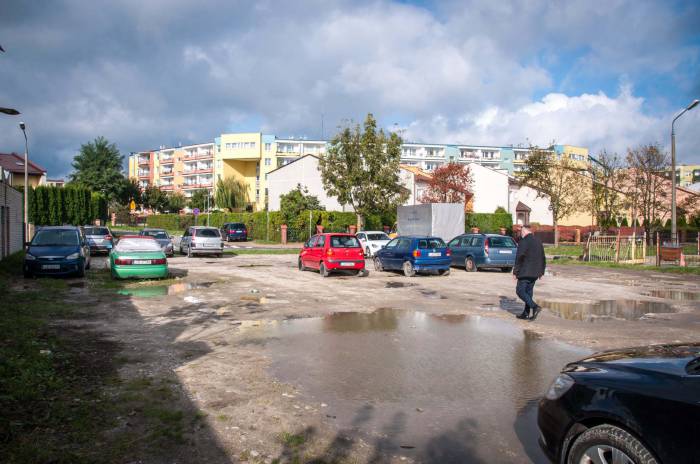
[[616, 249]]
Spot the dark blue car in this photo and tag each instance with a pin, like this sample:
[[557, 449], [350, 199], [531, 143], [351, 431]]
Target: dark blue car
[[57, 250], [412, 254], [476, 251], [234, 231]]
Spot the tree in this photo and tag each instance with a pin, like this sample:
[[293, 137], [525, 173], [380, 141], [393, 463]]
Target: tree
[[646, 186], [201, 199], [231, 194], [155, 199], [176, 201], [558, 180], [295, 201], [127, 190], [361, 169], [450, 183], [608, 175], [98, 166]]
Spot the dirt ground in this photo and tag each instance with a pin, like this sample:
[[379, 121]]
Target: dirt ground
[[192, 333]]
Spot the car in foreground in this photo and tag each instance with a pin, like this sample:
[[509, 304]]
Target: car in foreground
[[332, 252], [632, 406], [201, 240], [138, 256], [234, 232], [164, 240], [57, 250], [477, 251], [372, 241], [99, 238], [412, 254]]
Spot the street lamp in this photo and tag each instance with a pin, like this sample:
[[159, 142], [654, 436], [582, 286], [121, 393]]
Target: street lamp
[[23, 127], [10, 111], [674, 235]]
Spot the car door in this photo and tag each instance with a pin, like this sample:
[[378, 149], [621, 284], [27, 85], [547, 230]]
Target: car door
[[185, 240], [386, 254], [403, 252], [457, 250], [307, 251], [84, 246], [318, 250]]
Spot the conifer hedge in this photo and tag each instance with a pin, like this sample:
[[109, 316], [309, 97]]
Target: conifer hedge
[[54, 206]]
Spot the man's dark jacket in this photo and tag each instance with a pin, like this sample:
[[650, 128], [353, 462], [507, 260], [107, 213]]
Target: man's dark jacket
[[529, 261]]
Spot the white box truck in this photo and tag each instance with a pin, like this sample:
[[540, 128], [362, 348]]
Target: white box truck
[[444, 220]]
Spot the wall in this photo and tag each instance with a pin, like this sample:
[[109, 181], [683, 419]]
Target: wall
[[11, 220], [303, 171], [539, 213], [490, 189]]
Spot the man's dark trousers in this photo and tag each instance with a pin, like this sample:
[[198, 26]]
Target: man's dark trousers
[[525, 290]]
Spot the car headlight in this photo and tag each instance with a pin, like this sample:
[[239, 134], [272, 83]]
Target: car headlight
[[561, 385], [75, 255], [29, 257]]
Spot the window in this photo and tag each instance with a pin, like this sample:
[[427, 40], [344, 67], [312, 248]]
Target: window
[[207, 233], [95, 231], [454, 242], [502, 242], [55, 237], [321, 241], [404, 244], [310, 242], [268, 161], [344, 241], [393, 243], [431, 243], [360, 236], [268, 146], [467, 241], [137, 244], [380, 236]]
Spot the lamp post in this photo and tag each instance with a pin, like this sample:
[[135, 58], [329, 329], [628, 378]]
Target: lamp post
[[674, 234], [23, 127]]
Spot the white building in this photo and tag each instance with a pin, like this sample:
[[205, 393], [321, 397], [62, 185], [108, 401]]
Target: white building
[[490, 188], [526, 207], [11, 220]]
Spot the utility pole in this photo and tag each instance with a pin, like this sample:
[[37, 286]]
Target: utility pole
[[674, 232], [23, 127]]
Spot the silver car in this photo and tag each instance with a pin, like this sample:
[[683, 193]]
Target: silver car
[[202, 240], [99, 238], [163, 239]]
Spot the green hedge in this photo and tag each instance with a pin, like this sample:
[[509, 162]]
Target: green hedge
[[53, 206], [488, 222]]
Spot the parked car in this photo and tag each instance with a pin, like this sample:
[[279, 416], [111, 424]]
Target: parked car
[[477, 251], [163, 239], [201, 240], [57, 250], [99, 238], [635, 405], [234, 231], [138, 256], [372, 241], [332, 252], [413, 254]]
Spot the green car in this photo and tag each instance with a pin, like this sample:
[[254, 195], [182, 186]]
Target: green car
[[138, 256]]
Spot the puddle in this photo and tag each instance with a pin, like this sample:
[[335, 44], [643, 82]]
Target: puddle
[[153, 291], [398, 285], [629, 310], [254, 265], [678, 295], [450, 388], [432, 294]]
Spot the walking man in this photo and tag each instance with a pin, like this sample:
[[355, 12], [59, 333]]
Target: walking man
[[529, 266]]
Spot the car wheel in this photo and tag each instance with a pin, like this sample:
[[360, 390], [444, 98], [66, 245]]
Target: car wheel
[[301, 266], [608, 444], [181, 252], [444, 272], [81, 271], [408, 269], [506, 269], [87, 266], [378, 265], [470, 265], [323, 270]]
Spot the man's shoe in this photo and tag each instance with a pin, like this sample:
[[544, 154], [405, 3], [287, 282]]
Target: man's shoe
[[535, 311], [524, 315]]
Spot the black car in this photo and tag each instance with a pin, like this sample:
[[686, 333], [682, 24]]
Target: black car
[[629, 406], [234, 231]]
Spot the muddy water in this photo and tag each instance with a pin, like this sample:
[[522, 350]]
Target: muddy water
[[629, 310], [435, 388], [154, 291], [678, 295]]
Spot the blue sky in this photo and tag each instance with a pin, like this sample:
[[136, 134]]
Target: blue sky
[[598, 74]]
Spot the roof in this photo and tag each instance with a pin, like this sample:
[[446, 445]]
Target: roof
[[15, 163], [58, 227], [140, 237], [416, 171], [292, 162], [522, 207]]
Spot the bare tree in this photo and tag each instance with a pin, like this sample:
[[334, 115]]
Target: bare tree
[[608, 198], [647, 186]]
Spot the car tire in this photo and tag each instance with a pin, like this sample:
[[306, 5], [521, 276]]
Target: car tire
[[301, 266], [470, 265], [378, 264], [363, 273], [87, 266], [408, 269], [323, 270], [181, 252], [28, 275], [604, 439], [81, 271], [444, 272], [506, 269]]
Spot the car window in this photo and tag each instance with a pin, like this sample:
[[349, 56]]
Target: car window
[[137, 244], [207, 233], [501, 242], [377, 236], [56, 237], [321, 241], [187, 233], [478, 241], [344, 241], [467, 241], [238, 226], [455, 242], [392, 244], [96, 231], [404, 243], [310, 242], [360, 236], [430, 243], [157, 234]]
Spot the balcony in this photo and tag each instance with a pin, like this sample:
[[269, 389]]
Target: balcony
[[144, 173], [144, 160], [168, 187], [167, 172], [168, 160]]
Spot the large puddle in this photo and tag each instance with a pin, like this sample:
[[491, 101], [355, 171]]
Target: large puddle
[[678, 295], [438, 389], [629, 310], [149, 290]]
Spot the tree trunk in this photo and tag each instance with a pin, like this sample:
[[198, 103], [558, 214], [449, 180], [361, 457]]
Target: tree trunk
[[359, 222], [556, 232]]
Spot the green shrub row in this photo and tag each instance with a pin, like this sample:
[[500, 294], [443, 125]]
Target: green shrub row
[[52, 206], [488, 222]]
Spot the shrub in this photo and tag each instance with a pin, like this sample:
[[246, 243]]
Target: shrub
[[489, 222]]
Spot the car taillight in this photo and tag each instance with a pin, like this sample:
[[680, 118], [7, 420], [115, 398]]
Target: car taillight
[[108, 237], [329, 252], [486, 247], [158, 261], [416, 253], [448, 252], [122, 262]]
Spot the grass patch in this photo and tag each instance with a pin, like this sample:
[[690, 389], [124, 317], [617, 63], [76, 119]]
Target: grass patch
[[633, 267], [263, 251], [292, 440], [577, 250]]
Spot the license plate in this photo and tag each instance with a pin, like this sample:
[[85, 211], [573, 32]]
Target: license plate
[[347, 264], [239, 231], [51, 266], [506, 252], [434, 254], [142, 261]]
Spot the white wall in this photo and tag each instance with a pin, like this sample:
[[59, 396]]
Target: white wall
[[303, 171], [490, 188], [539, 213], [11, 206]]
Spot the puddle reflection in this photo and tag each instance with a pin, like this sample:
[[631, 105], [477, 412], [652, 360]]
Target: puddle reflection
[[629, 310], [154, 291], [678, 295]]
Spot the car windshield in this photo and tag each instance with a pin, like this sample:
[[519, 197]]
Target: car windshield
[[377, 237], [137, 244], [502, 242], [207, 233], [55, 237], [344, 241], [237, 226], [430, 243], [157, 234], [96, 231]]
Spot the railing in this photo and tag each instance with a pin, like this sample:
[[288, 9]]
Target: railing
[[170, 160], [144, 160], [615, 248], [144, 173]]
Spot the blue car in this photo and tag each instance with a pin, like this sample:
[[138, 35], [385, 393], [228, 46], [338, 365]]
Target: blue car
[[234, 231], [476, 251], [57, 250], [412, 254]]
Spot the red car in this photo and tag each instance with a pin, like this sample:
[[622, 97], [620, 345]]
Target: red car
[[333, 252]]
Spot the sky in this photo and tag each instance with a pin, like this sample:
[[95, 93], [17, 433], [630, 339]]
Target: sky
[[145, 73]]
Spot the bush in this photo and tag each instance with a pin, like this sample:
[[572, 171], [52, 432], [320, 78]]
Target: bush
[[489, 222], [54, 206]]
